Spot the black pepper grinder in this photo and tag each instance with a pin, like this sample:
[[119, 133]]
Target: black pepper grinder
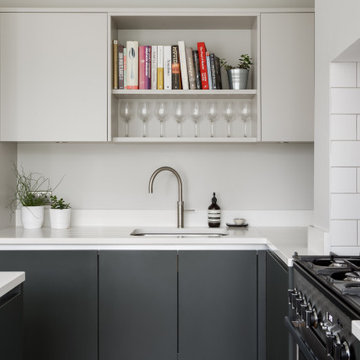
[[214, 213]]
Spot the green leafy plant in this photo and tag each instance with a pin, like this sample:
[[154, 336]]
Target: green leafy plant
[[60, 204], [245, 62]]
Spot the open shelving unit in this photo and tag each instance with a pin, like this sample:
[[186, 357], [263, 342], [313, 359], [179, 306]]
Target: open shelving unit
[[227, 33]]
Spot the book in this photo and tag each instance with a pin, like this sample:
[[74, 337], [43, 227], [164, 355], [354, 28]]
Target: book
[[132, 73], [218, 73], [183, 66], [197, 69], [167, 68], [208, 68], [125, 68], [148, 67], [202, 65], [142, 66], [121, 66], [175, 68], [190, 68], [115, 65], [154, 61], [160, 68], [213, 73]]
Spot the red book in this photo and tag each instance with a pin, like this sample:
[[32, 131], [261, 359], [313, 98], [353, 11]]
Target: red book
[[142, 67], [203, 66]]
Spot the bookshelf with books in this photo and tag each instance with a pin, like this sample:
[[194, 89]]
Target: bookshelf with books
[[186, 48]]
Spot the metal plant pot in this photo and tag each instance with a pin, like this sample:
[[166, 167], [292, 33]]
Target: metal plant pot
[[238, 78]]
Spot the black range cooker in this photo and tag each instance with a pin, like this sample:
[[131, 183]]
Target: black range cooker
[[323, 301]]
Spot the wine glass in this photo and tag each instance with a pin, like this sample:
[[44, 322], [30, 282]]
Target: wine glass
[[144, 113], [125, 113], [161, 112], [245, 116], [179, 116], [212, 114], [229, 116], [196, 115]]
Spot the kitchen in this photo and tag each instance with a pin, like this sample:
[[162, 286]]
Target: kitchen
[[280, 185]]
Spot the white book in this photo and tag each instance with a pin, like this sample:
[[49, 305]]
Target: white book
[[183, 67], [160, 68], [167, 68], [154, 61], [132, 64]]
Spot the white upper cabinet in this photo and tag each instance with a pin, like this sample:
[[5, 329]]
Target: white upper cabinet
[[53, 71], [287, 77]]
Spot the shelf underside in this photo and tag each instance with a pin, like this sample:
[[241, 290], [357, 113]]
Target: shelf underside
[[183, 140]]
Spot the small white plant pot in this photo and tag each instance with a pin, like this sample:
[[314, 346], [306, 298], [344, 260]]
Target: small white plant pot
[[32, 217], [60, 218]]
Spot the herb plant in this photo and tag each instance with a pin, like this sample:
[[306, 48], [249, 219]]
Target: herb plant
[[245, 62], [59, 204]]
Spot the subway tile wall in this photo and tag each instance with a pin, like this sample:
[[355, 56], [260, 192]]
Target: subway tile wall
[[345, 158]]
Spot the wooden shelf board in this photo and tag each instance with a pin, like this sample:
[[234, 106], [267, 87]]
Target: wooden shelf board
[[183, 140]]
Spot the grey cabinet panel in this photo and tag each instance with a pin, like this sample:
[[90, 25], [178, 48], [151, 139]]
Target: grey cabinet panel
[[60, 302], [218, 305], [137, 305], [277, 337]]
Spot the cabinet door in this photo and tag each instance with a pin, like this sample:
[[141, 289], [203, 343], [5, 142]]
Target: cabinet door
[[137, 305], [218, 305], [53, 77], [277, 336], [287, 77], [60, 302]]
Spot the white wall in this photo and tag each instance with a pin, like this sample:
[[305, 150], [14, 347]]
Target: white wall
[[337, 26], [7, 181], [115, 176], [157, 3]]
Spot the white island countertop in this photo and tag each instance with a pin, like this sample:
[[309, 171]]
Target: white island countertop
[[283, 241], [10, 280]]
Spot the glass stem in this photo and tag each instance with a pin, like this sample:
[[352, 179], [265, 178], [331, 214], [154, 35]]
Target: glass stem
[[196, 129], [127, 128], [144, 128], [245, 128], [161, 128], [228, 129], [179, 129], [212, 129]]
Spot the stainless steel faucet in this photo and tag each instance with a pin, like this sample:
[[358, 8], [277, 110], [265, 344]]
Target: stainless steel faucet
[[180, 203]]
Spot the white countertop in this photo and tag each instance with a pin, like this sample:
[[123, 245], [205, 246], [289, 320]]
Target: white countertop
[[10, 280], [284, 241]]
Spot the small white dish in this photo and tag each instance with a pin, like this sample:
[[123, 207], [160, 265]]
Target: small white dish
[[239, 221]]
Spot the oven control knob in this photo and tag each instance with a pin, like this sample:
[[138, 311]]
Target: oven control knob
[[293, 299], [330, 341], [341, 351], [303, 308], [311, 318], [290, 293], [298, 302]]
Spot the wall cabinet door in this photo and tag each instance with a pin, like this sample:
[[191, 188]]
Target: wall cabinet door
[[60, 302], [277, 336], [218, 305], [137, 305], [287, 77], [53, 77]]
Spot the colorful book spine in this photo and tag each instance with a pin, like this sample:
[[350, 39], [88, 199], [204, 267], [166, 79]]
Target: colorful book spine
[[167, 68], [213, 72], [197, 70], [218, 73], [175, 68], [208, 68], [154, 52], [115, 65], [125, 69], [183, 66], [132, 48], [148, 67], [190, 68], [160, 68], [142, 67], [202, 64], [121, 66]]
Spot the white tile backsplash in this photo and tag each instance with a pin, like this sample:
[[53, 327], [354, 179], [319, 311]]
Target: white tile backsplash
[[343, 75], [344, 232], [343, 180], [345, 153], [345, 101], [345, 206], [343, 127], [346, 250]]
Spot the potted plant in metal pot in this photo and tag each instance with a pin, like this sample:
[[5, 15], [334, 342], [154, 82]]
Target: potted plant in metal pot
[[238, 75], [60, 213], [31, 190]]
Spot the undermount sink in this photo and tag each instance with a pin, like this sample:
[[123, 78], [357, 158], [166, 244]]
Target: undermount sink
[[204, 232]]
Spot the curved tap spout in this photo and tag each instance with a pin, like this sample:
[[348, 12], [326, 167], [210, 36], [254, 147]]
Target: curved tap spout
[[180, 203]]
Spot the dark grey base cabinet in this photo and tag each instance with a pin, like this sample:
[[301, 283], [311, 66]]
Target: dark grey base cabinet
[[277, 336], [194, 305], [11, 325], [60, 303]]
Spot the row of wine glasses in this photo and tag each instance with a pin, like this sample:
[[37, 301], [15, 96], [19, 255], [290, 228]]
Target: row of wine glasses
[[229, 111]]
